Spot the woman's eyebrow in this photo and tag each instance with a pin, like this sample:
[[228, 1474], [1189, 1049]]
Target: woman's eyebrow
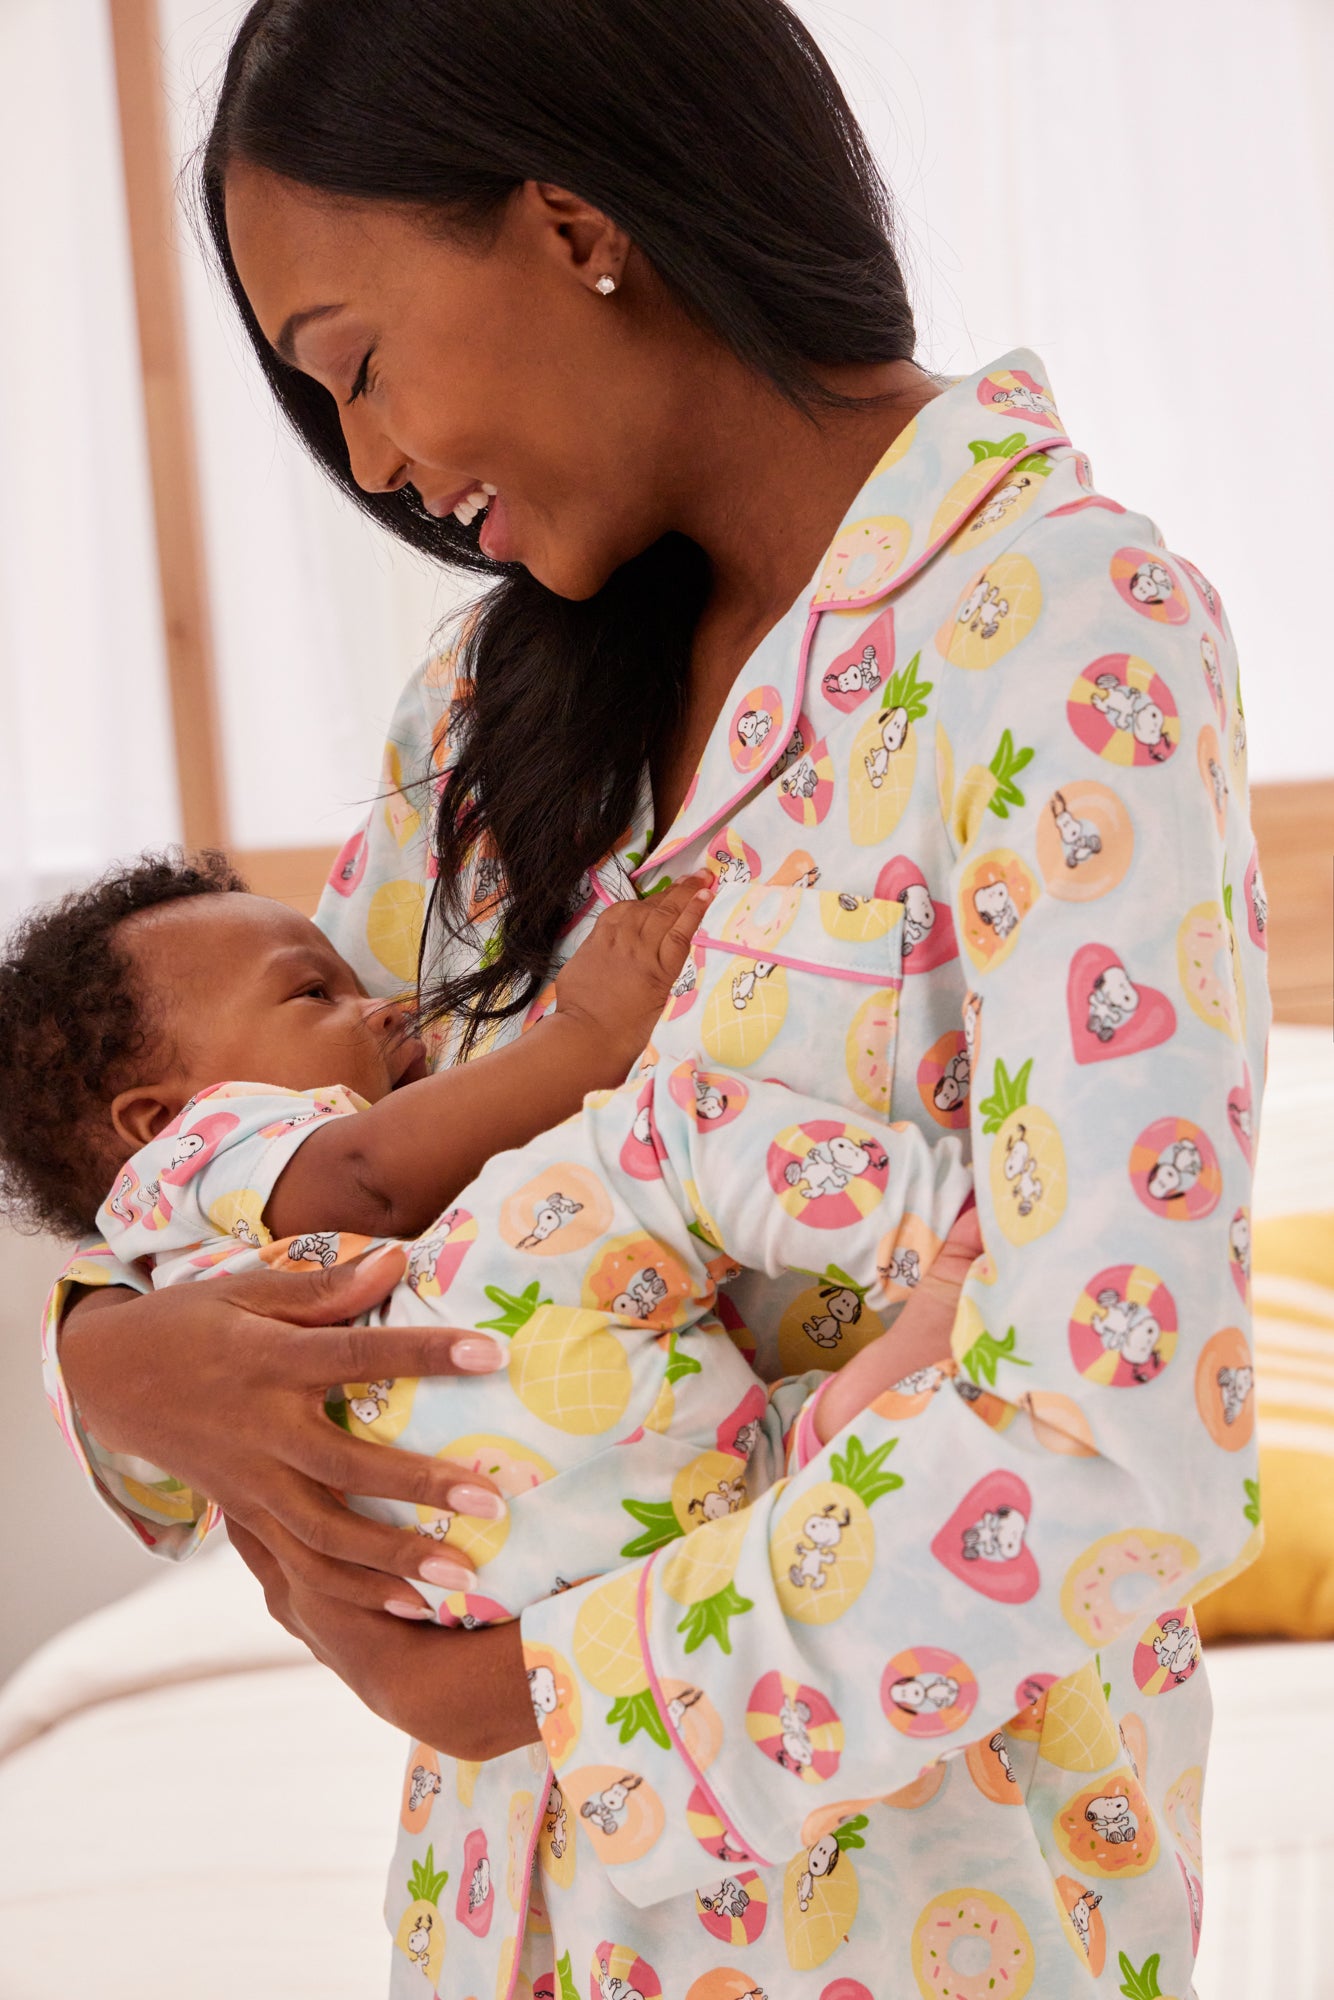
[[285, 344]]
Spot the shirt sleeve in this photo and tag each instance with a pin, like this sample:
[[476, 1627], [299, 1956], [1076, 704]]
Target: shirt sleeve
[[1077, 1473], [185, 1206]]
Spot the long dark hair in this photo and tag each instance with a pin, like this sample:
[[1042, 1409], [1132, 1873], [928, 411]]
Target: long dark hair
[[714, 133]]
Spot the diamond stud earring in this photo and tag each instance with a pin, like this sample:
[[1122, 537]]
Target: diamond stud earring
[[606, 284]]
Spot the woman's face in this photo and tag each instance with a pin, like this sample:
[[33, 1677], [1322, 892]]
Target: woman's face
[[456, 364]]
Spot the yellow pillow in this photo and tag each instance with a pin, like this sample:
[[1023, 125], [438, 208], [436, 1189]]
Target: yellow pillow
[[1289, 1591]]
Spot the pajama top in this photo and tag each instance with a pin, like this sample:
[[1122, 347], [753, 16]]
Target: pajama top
[[932, 1713]]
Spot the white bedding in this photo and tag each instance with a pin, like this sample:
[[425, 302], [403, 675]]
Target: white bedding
[[191, 1809]]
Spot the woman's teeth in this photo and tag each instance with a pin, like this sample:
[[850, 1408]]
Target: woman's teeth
[[474, 503]]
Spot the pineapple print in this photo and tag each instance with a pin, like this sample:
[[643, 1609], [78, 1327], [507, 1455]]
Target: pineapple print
[[564, 1365], [421, 1928], [1028, 1177], [824, 1550], [710, 1487], [883, 762], [699, 1577], [1141, 1983], [607, 1652], [1077, 1732], [984, 788], [820, 1896]]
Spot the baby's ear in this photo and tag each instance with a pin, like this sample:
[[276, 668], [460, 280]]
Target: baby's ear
[[140, 1113]]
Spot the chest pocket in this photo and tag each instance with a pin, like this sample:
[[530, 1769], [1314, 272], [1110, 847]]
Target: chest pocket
[[801, 985]]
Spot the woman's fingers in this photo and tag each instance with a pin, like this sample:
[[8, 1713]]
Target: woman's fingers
[[330, 1354], [320, 1298], [332, 1549], [280, 1560], [354, 1465]]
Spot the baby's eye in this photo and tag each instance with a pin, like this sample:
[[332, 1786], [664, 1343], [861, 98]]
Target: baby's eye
[[317, 990]]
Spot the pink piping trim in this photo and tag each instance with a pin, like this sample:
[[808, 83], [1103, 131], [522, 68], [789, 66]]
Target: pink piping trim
[[539, 1813], [762, 769], [806, 1445], [797, 964], [895, 583], [817, 611], [655, 1689]]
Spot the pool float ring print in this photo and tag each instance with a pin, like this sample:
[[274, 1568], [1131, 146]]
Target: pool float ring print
[[796, 1726], [1123, 711], [1146, 583], [757, 726], [926, 1691], [1123, 1331], [1174, 1170], [827, 1175]]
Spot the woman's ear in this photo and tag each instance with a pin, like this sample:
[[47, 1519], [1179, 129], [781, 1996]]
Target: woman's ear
[[140, 1113], [576, 231]]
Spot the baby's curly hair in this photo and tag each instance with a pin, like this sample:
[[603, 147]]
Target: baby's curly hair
[[71, 1026]]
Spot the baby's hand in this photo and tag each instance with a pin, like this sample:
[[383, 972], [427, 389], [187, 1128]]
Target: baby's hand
[[618, 981], [919, 1337]]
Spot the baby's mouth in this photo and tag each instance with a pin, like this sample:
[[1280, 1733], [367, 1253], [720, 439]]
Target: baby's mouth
[[410, 1063]]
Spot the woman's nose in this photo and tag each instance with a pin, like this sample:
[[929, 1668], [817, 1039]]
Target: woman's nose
[[378, 466]]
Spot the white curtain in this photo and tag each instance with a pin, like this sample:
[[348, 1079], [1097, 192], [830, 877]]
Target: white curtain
[[1144, 193]]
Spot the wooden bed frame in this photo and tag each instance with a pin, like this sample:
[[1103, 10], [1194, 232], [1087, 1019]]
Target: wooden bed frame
[[1294, 822]]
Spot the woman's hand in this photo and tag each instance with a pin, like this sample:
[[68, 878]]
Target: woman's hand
[[465, 1693], [919, 1337], [223, 1385]]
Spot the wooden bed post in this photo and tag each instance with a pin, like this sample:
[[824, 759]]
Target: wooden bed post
[[182, 571]]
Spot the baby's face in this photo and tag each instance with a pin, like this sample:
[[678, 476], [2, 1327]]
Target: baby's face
[[249, 991]]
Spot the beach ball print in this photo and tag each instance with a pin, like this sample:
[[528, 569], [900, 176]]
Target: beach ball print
[[734, 1910], [756, 728], [711, 1830], [796, 1726], [1174, 1170], [806, 788], [618, 1972], [1015, 391], [1123, 711], [434, 1259], [1168, 1653], [1213, 676], [827, 1175], [1123, 1331], [1150, 586], [864, 667], [925, 1691]]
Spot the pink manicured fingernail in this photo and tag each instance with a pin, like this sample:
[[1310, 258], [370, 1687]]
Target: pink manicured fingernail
[[402, 1607], [448, 1575], [477, 1501], [478, 1356]]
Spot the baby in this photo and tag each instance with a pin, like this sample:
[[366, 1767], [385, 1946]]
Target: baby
[[125, 1010]]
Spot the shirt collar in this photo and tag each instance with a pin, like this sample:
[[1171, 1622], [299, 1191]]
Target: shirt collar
[[935, 474]]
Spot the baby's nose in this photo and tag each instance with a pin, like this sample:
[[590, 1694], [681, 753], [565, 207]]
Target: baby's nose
[[386, 1016]]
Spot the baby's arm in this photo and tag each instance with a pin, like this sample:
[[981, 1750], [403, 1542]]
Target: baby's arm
[[919, 1337], [393, 1168]]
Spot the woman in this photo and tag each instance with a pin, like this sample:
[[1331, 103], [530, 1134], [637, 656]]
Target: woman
[[620, 275]]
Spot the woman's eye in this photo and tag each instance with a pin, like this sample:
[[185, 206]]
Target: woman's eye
[[362, 382]]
